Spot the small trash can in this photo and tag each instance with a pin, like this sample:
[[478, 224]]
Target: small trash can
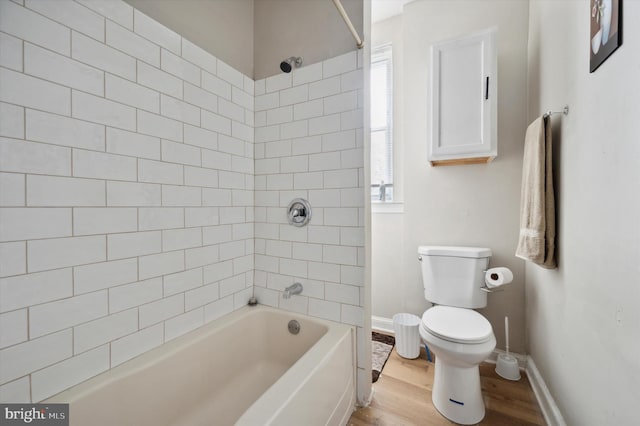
[[405, 326]]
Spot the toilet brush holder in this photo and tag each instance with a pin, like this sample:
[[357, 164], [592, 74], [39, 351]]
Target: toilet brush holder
[[507, 367]]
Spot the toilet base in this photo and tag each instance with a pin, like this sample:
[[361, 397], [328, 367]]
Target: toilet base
[[457, 394]]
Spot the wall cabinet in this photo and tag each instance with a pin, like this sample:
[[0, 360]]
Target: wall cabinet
[[464, 100]]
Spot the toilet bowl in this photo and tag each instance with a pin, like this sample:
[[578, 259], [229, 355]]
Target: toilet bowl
[[461, 339]]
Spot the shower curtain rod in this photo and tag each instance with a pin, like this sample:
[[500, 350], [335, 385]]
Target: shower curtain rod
[[347, 21]]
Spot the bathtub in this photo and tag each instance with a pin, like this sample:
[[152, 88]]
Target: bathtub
[[245, 368]]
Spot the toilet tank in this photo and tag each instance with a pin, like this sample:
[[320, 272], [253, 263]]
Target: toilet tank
[[453, 276]]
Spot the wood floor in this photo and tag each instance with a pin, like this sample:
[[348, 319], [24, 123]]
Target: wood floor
[[403, 397]]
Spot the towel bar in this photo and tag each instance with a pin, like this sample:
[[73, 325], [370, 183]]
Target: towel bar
[[564, 111]]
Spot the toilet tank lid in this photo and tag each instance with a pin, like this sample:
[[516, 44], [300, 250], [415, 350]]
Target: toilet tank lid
[[475, 252]]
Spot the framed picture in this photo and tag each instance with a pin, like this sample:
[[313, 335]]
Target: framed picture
[[606, 30]]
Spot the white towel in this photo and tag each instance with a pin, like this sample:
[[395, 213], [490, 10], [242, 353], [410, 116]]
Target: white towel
[[537, 203]]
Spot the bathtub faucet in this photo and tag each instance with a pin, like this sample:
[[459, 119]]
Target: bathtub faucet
[[295, 288]]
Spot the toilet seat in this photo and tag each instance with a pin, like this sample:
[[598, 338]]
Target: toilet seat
[[458, 325]]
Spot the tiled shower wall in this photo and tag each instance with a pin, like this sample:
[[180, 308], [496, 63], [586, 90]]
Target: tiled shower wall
[[309, 144], [126, 160]]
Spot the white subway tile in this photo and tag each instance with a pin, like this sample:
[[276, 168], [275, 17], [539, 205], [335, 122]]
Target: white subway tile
[[216, 197], [103, 275], [63, 191], [133, 244], [18, 391], [297, 268], [132, 44], [353, 197], [33, 223], [98, 165], [12, 123], [242, 131], [159, 80], [199, 56], [161, 264], [60, 130], [11, 48], [279, 115], [117, 11], [341, 102], [156, 32], [353, 315], [103, 111], [132, 295], [280, 182], [156, 125], [28, 290], [161, 310], [177, 239], [13, 259], [278, 82], [295, 129], [243, 264], [352, 236], [307, 74], [135, 344], [200, 137], [341, 216], [230, 110], [217, 271], [260, 119], [160, 218], [352, 80], [183, 324], [242, 231], [297, 304], [306, 145], [201, 296], [324, 272], [101, 56], [181, 196], [202, 98], [215, 85], [266, 198], [352, 119], [22, 359], [345, 178], [13, 328], [242, 197], [132, 144], [104, 330], [304, 251], [232, 215], [71, 14], [201, 256], [340, 254], [324, 235], [312, 180], [180, 68], [217, 309], [178, 110], [324, 309], [132, 94], [13, 189], [215, 122], [266, 263], [55, 316], [62, 70], [267, 166], [197, 176], [292, 233], [259, 87], [267, 102], [339, 140], [182, 281], [28, 157], [295, 95], [324, 124], [63, 252], [180, 153], [325, 198], [323, 88], [243, 165], [159, 172], [230, 74], [230, 145], [54, 379], [242, 98], [309, 109], [33, 27], [267, 134], [129, 194], [231, 180], [324, 161], [339, 64], [33, 92], [353, 275]]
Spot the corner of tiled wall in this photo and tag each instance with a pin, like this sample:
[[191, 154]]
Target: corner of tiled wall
[[126, 167], [309, 144]]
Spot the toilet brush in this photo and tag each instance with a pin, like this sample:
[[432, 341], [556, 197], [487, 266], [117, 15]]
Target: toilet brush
[[507, 365]]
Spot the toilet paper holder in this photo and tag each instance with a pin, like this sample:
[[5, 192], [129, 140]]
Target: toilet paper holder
[[491, 290]]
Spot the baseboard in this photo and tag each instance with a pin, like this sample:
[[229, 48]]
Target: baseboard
[[550, 410], [382, 324], [522, 359]]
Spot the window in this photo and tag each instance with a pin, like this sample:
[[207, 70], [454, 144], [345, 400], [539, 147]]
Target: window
[[381, 125]]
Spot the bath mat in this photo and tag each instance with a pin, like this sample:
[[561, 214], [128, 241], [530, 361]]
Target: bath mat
[[381, 347]]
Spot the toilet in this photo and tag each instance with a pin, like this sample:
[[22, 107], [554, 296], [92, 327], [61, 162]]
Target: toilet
[[460, 337]]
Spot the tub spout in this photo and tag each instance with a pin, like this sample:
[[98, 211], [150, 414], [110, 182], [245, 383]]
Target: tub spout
[[295, 288]]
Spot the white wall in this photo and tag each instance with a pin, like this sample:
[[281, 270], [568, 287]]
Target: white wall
[[126, 163], [583, 319], [475, 205], [309, 144]]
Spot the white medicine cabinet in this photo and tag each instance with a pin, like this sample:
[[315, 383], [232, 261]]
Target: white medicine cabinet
[[463, 111]]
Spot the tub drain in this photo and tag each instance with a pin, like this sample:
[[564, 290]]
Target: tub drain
[[294, 327]]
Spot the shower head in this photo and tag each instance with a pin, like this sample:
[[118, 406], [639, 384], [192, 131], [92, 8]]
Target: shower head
[[288, 64]]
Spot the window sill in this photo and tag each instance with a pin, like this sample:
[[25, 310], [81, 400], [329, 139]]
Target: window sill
[[387, 207]]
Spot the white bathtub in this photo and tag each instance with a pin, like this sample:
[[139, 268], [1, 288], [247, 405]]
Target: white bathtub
[[244, 368]]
